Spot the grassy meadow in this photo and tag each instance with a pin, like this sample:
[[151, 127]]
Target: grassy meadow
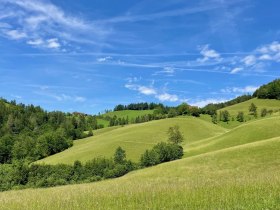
[[135, 139], [223, 168], [269, 104], [241, 177]]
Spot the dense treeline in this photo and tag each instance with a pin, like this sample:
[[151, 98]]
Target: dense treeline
[[21, 174], [160, 112], [138, 106], [212, 108], [31, 133], [269, 91]]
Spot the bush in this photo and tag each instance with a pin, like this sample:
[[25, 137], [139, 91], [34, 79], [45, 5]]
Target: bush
[[160, 153]]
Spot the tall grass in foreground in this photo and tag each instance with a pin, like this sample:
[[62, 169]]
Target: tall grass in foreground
[[243, 177]]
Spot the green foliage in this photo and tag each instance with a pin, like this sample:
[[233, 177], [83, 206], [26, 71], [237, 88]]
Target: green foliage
[[30, 133], [214, 118], [212, 108], [224, 116], [119, 156], [20, 174], [264, 112], [160, 153], [269, 91], [149, 158], [174, 135], [240, 117]]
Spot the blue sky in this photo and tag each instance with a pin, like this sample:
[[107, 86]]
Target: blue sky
[[90, 55]]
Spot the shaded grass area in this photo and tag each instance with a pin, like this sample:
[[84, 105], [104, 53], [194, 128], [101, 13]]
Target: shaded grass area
[[135, 139], [241, 177]]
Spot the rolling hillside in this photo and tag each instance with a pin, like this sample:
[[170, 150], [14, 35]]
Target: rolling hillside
[[223, 169], [269, 104], [240, 177], [135, 139], [251, 131]]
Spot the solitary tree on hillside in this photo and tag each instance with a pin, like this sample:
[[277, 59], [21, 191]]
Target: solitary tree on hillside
[[174, 135], [225, 116], [120, 155], [240, 117], [214, 118], [253, 109], [264, 112]]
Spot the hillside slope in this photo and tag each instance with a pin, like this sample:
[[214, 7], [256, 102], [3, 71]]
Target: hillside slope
[[241, 177], [269, 104], [135, 139], [246, 133]]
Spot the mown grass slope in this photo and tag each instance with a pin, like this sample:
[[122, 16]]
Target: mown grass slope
[[240, 177], [269, 104], [135, 139], [245, 133]]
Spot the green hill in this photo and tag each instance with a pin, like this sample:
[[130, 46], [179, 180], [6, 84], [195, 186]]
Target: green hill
[[241, 177], [269, 104], [135, 139], [246, 133], [222, 168]]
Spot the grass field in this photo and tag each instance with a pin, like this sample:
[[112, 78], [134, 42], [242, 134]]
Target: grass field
[[269, 104], [135, 139], [241, 177], [235, 168], [243, 134]]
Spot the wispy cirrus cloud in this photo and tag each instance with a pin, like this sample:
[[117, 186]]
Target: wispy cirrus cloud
[[240, 90], [43, 24]]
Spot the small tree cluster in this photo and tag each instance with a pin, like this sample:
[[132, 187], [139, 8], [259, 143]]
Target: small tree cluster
[[160, 153]]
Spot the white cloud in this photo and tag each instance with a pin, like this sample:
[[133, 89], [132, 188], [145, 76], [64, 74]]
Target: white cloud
[[249, 60], [167, 97], [270, 52], [142, 89], [208, 54], [49, 43], [104, 59], [15, 34], [79, 99], [265, 57], [147, 90], [236, 70], [35, 42], [240, 90], [167, 70], [151, 91], [204, 102], [53, 43], [38, 19]]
